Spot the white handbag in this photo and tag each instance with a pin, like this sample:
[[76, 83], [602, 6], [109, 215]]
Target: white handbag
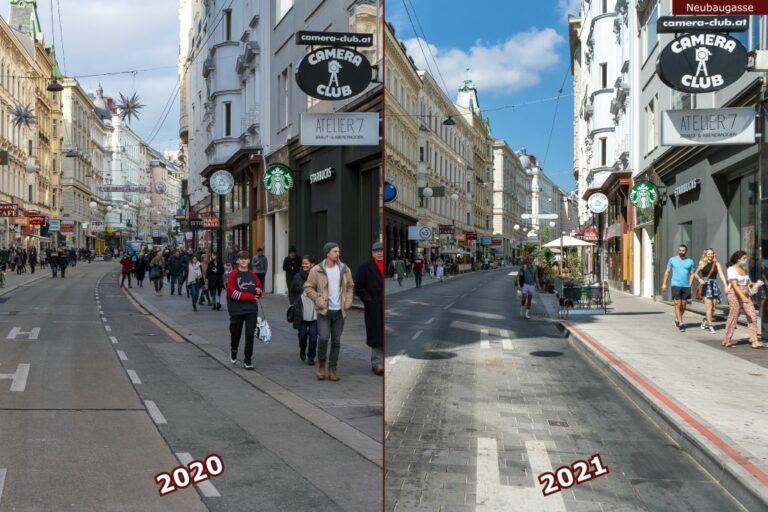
[[263, 330]]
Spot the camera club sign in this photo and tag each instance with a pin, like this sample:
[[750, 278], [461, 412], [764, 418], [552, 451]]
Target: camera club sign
[[701, 63], [334, 73]]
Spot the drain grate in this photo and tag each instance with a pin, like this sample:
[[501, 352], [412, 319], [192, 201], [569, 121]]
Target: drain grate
[[553, 423]]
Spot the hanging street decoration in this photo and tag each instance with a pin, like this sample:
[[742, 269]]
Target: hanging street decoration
[[334, 73], [644, 195], [23, 115], [701, 63], [129, 107], [278, 179]]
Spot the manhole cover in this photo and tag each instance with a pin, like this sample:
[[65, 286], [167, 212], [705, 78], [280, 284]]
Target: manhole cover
[[553, 423], [546, 353], [434, 355]]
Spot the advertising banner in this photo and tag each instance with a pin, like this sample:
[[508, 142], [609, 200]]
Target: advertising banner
[[340, 129], [710, 126]]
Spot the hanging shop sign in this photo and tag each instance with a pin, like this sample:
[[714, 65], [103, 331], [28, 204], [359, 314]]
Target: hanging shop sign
[[710, 126], [323, 175], [9, 210], [686, 187], [485, 240], [308, 37], [210, 220], [643, 195], [721, 7], [222, 182], [67, 226], [278, 179], [333, 73], [688, 24], [700, 63], [471, 235], [36, 220], [497, 241], [123, 188], [390, 192], [340, 129], [160, 187], [598, 202], [446, 229], [55, 225], [21, 221], [195, 223], [422, 233]]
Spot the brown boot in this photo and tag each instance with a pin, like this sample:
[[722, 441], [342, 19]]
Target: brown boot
[[378, 369], [332, 374], [320, 371]]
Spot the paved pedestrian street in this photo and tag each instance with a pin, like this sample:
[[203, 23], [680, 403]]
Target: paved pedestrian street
[[101, 391], [480, 402]]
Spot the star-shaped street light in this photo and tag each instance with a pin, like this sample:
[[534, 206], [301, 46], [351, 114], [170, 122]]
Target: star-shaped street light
[[129, 106]]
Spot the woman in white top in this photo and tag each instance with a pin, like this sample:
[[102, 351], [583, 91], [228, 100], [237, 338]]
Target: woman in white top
[[194, 280], [739, 300]]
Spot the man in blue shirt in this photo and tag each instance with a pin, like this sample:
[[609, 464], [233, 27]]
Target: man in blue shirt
[[681, 267]]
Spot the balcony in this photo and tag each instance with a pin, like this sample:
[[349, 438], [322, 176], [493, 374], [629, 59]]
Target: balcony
[[252, 49], [240, 65], [208, 66]]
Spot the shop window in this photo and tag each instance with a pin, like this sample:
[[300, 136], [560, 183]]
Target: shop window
[[683, 100]]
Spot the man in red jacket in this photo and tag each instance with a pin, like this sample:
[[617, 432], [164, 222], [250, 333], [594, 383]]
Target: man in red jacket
[[243, 292], [127, 266], [418, 269]]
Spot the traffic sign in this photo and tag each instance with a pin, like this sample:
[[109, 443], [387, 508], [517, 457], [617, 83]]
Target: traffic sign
[[543, 216]]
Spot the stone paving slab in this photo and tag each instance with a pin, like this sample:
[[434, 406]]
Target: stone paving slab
[[713, 398]]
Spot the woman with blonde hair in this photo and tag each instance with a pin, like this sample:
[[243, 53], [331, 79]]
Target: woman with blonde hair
[[707, 272]]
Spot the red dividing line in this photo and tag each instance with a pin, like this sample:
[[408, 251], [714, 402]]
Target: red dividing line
[[725, 447]]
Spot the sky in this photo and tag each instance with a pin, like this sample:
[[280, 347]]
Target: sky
[[517, 52], [118, 35]]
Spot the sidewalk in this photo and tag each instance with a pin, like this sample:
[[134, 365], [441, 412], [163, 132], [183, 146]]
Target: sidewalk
[[709, 399], [349, 410]]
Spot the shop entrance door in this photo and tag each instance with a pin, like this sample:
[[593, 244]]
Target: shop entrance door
[[742, 219]]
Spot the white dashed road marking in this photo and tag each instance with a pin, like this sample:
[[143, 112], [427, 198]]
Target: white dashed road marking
[[122, 356], [134, 378], [113, 339], [2, 482], [207, 488], [449, 306], [396, 358], [430, 320], [506, 344], [107, 328], [157, 416], [418, 333], [18, 379], [16, 331]]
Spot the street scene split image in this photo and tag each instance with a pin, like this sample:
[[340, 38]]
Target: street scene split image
[[191, 256], [576, 254]]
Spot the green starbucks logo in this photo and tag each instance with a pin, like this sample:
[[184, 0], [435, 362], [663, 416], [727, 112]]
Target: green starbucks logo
[[278, 179], [643, 195]]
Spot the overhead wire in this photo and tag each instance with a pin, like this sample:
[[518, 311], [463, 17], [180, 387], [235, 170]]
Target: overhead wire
[[424, 34]]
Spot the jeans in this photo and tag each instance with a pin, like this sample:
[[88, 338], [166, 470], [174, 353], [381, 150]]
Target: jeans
[[216, 295], [418, 278], [329, 327], [54, 269], [158, 284], [122, 281], [206, 295], [308, 332], [262, 277], [176, 282], [236, 329], [195, 289], [377, 357]]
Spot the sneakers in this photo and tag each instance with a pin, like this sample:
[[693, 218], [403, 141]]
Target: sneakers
[[712, 329], [704, 324], [681, 327], [311, 361], [677, 324], [528, 314], [233, 357], [248, 366], [302, 354]]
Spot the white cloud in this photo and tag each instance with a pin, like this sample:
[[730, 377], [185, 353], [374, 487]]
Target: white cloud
[[118, 35], [507, 66], [566, 7]]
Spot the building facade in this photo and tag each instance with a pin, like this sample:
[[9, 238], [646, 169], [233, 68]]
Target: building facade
[[506, 207]]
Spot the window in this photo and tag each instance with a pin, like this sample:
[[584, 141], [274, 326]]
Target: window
[[682, 100], [54, 165], [281, 9], [228, 119], [604, 75], [603, 151], [228, 25], [650, 37], [468, 219], [55, 129], [750, 38], [29, 147], [650, 126], [604, 6], [53, 199], [421, 154]]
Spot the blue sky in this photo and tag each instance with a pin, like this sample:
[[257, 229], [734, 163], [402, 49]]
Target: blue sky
[[517, 52]]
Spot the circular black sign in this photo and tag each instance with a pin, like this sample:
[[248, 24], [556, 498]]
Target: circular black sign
[[333, 73], [699, 63]]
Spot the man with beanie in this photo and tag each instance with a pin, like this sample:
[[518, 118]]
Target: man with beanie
[[330, 286], [243, 290], [291, 266], [369, 286]]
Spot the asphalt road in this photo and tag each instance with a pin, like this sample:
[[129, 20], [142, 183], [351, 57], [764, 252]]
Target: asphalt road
[[480, 402], [111, 399]]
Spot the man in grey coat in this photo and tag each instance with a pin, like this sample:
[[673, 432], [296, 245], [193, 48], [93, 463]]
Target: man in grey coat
[[260, 265]]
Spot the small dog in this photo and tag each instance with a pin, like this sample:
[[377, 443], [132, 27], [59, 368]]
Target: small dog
[[565, 306]]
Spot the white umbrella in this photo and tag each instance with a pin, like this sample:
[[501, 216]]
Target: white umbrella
[[567, 241]]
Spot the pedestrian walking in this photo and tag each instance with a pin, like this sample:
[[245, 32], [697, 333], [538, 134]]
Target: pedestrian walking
[[127, 266], [156, 271], [369, 286], [400, 269], [739, 299], [43, 257], [707, 273], [440, 269], [330, 286], [63, 263], [214, 277], [418, 269], [176, 270], [205, 296], [194, 277], [527, 282], [243, 292], [260, 265], [681, 268], [291, 266], [186, 257], [53, 260], [32, 259], [141, 269], [304, 313]]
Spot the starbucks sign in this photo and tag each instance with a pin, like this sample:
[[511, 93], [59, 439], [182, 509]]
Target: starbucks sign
[[644, 195], [278, 179]]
